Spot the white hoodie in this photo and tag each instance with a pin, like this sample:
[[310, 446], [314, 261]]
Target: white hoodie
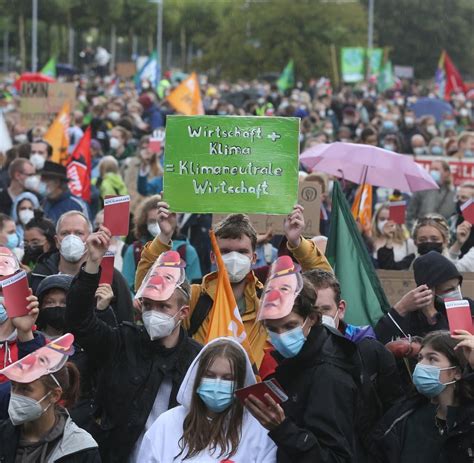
[[161, 442]]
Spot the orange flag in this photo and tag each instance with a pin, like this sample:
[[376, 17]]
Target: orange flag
[[225, 318], [362, 206], [186, 97], [57, 136]]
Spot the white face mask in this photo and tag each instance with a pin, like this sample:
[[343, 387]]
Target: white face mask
[[114, 143], [153, 229], [72, 248], [21, 138], [381, 224], [330, 321], [32, 183], [237, 265], [37, 160], [158, 325], [23, 409], [25, 216]]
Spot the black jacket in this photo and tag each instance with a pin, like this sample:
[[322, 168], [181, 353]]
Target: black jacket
[[121, 303], [396, 434], [10, 435], [413, 323], [322, 385], [133, 368]]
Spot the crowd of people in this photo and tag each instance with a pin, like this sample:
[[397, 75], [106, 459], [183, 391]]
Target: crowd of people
[[126, 372]]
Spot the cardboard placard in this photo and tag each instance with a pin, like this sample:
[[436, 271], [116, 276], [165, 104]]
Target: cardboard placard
[[15, 291], [459, 315], [41, 101], [126, 69], [397, 212], [467, 210], [225, 164], [107, 268], [396, 283], [270, 387], [117, 214], [309, 197]]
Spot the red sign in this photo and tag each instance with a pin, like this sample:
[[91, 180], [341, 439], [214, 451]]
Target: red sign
[[462, 171]]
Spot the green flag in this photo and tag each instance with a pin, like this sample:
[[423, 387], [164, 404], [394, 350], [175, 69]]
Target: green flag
[[287, 77], [49, 68], [352, 64], [385, 79], [346, 252]]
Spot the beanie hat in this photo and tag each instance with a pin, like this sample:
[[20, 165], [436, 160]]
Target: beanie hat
[[433, 269]]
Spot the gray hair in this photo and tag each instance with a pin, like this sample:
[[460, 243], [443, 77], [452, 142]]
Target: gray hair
[[69, 214]]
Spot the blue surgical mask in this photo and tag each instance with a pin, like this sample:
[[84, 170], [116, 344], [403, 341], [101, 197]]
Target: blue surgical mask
[[436, 176], [3, 314], [12, 240], [449, 123], [389, 125], [217, 394], [468, 153], [289, 343], [436, 150], [426, 380]]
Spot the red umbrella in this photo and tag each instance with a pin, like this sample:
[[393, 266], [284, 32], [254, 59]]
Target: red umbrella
[[32, 77]]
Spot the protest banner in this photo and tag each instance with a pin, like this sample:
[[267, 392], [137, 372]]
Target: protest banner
[[396, 283], [461, 170], [309, 197], [117, 214], [223, 164], [41, 101], [352, 64], [375, 58]]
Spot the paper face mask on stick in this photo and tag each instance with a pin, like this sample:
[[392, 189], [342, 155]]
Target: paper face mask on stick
[[46, 360], [8, 262], [282, 288], [162, 279]]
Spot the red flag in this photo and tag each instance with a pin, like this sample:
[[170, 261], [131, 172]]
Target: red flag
[[454, 82], [79, 168]]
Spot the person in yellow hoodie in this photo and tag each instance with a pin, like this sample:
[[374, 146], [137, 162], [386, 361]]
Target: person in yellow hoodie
[[237, 241]]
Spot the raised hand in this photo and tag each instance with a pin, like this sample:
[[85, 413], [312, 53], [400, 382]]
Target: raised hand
[[97, 245], [416, 299], [294, 226], [104, 295], [167, 221], [24, 325]]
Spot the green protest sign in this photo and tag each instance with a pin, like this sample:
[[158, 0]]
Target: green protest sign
[[375, 56], [352, 64], [227, 164]]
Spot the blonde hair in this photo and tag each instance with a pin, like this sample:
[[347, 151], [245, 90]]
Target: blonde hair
[[108, 164], [400, 234], [433, 220]]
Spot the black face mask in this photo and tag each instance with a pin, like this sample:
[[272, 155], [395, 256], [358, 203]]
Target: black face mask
[[425, 248], [32, 254], [55, 317]]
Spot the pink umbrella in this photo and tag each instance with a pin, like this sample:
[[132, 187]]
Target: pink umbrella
[[368, 164]]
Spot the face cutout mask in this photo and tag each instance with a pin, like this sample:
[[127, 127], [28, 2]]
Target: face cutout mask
[[46, 360], [282, 288], [8, 262], [162, 279]]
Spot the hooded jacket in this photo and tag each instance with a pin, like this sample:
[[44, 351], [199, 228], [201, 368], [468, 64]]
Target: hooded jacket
[[14, 214], [322, 383], [112, 184], [75, 445], [161, 442], [48, 264], [132, 369]]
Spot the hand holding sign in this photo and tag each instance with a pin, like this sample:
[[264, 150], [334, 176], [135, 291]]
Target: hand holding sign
[[97, 245], [467, 210], [466, 344], [463, 231], [24, 324], [294, 226], [167, 221], [107, 268], [15, 294]]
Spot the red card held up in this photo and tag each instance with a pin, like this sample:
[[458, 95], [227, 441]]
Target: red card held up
[[467, 210], [155, 145], [107, 268], [117, 214], [259, 390], [397, 212], [459, 315], [15, 291]]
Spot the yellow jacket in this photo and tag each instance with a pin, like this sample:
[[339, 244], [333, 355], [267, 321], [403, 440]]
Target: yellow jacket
[[307, 254]]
